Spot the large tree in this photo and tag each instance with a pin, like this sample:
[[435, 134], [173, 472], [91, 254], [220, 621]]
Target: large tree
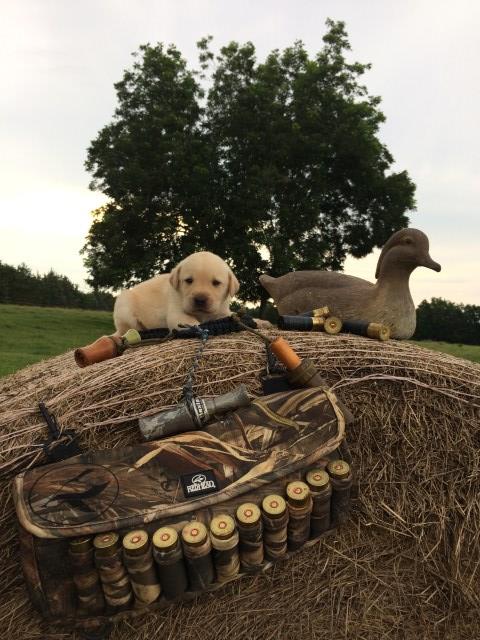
[[276, 165]]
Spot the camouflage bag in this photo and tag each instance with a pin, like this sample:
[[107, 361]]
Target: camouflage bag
[[74, 514]]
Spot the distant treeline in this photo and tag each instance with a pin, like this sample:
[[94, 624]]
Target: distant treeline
[[440, 319], [436, 320], [18, 285]]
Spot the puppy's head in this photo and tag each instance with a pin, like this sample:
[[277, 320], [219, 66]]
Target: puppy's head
[[205, 284]]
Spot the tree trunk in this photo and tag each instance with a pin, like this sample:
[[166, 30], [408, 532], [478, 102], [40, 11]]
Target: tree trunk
[[263, 305]]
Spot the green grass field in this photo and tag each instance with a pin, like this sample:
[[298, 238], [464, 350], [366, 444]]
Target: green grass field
[[30, 334], [467, 351]]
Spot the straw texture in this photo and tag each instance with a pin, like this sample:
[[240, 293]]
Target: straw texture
[[407, 565]]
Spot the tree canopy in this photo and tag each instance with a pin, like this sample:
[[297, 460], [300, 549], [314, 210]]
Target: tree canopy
[[274, 165]]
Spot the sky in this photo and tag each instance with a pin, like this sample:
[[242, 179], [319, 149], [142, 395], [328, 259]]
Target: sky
[[59, 60]]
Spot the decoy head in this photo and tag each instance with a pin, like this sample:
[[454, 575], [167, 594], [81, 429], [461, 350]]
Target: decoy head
[[404, 251]]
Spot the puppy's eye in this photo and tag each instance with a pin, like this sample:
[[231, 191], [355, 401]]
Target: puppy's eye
[[189, 280], [216, 283]]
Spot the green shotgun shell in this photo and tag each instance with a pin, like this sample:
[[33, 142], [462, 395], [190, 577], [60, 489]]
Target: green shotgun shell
[[222, 526], [138, 559], [299, 508], [275, 521], [168, 554], [297, 493], [165, 538], [115, 581], [135, 542], [320, 486], [274, 506], [250, 531], [317, 479], [198, 559], [106, 544], [194, 533], [248, 514], [80, 545], [224, 536], [341, 479], [338, 468]]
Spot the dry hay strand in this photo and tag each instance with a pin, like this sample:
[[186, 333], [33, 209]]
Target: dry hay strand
[[408, 563]]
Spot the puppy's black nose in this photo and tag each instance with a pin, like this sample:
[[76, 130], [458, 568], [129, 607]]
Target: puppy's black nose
[[200, 301]]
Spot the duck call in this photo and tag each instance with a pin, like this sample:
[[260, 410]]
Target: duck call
[[188, 416], [105, 348]]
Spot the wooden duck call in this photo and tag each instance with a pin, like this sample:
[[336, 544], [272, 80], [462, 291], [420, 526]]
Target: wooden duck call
[[105, 348]]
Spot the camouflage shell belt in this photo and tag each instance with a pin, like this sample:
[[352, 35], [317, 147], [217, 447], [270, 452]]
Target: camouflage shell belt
[[108, 533]]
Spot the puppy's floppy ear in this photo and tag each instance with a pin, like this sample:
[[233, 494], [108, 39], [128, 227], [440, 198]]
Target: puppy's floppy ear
[[175, 277], [233, 284]]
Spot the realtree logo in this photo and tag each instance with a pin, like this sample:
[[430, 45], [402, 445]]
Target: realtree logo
[[197, 484]]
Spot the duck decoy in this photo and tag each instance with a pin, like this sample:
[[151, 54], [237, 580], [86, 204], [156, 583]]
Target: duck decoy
[[388, 301]]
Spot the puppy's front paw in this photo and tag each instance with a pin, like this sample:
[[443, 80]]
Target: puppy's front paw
[[176, 321]]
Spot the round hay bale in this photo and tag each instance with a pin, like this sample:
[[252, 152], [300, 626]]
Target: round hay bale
[[406, 565]]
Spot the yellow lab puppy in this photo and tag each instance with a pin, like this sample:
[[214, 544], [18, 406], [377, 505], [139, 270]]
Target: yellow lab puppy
[[198, 289]]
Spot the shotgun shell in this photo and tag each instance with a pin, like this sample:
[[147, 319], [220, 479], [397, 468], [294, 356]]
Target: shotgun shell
[[106, 544], [373, 330], [198, 559], [80, 545], [378, 331], [299, 508], [275, 521], [318, 323], [135, 542], [332, 325], [318, 481], [224, 537], [321, 312], [168, 554], [137, 555], [250, 531], [298, 323], [297, 493], [85, 577], [115, 582], [341, 479]]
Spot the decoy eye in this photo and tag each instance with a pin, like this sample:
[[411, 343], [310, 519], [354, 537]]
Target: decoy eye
[[407, 241]]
